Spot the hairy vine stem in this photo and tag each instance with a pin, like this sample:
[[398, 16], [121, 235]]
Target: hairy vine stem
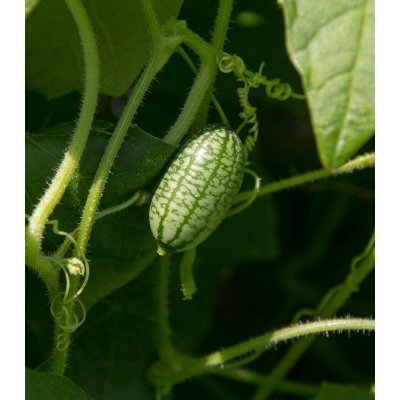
[[163, 47], [214, 100], [196, 106], [221, 359], [217, 42], [358, 163], [57, 187]]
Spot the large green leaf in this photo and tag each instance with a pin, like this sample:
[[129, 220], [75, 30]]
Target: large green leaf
[[139, 162], [43, 386], [332, 45], [341, 392], [54, 54], [121, 245]]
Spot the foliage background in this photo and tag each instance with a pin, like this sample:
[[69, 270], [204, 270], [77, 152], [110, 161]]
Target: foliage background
[[253, 274]]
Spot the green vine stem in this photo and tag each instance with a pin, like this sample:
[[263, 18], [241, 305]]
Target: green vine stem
[[193, 101], [361, 266], [163, 48], [358, 163], [204, 81], [214, 100], [57, 187], [264, 342], [217, 42], [165, 347], [281, 335]]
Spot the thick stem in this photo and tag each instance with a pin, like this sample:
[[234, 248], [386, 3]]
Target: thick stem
[[192, 104], [113, 147], [214, 100], [56, 189], [154, 27], [265, 342], [88, 215], [163, 49], [217, 42], [271, 339], [201, 86], [358, 163]]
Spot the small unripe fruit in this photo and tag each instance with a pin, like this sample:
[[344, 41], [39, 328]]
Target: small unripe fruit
[[198, 189]]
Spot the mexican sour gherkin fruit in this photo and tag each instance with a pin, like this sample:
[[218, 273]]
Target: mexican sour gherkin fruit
[[198, 189]]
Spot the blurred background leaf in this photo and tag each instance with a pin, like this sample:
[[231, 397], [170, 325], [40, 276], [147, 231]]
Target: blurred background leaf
[[54, 55]]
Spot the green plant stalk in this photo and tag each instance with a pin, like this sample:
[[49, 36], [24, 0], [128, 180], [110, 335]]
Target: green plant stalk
[[217, 42], [100, 179], [201, 86], [193, 101], [57, 187], [214, 100], [329, 305], [358, 163], [162, 51], [281, 335], [264, 342], [154, 27], [88, 215], [165, 348]]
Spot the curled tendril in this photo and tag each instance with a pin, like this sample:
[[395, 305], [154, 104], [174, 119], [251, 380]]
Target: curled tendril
[[72, 321], [274, 88], [232, 63], [139, 198], [249, 116], [257, 182], [68, 319], [57, 231], [278, 90], [62, 341]]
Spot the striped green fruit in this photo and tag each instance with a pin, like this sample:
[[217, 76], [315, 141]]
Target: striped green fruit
[[198, 189]]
